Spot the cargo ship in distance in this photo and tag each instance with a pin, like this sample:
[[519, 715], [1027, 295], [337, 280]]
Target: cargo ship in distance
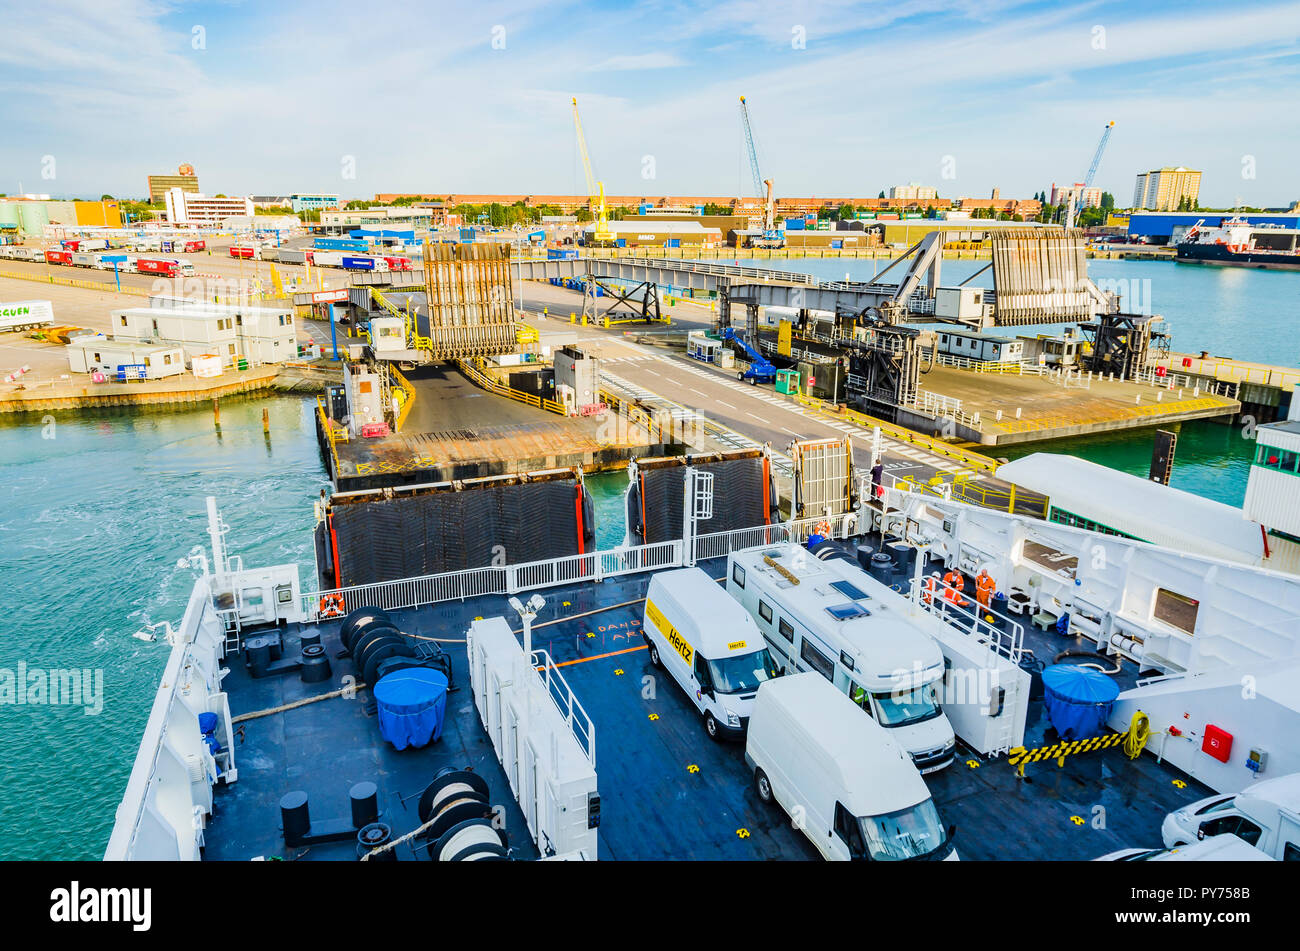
[[1239, 243]]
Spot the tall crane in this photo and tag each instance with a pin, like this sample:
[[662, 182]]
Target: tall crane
[[762, 186], [1092, 171], [594, 188]]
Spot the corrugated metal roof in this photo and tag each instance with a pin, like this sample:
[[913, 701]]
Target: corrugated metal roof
[[657, 227], [1155, 513]]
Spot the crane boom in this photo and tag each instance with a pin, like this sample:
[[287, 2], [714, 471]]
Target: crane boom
[[1092, 171], [595, 189], [753, 152], [1096, 158]]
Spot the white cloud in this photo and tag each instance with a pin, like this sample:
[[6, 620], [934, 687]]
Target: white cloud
[[638, 61]]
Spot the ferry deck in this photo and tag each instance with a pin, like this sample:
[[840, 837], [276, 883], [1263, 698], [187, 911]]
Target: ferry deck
[[667, 791]]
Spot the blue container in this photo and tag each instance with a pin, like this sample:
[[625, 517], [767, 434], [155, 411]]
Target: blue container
[[794, 224], [411, 705], [1078, 700], [359, 264]]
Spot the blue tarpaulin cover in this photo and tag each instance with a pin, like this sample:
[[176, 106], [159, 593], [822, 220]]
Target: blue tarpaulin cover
[[1078, 700], [411, 704]]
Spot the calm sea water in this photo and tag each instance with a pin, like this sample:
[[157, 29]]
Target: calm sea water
[[94, 519]]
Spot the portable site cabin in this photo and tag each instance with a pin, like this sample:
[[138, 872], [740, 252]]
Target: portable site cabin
[[702, 347], [108, 355], [982, 348], [254, 334]]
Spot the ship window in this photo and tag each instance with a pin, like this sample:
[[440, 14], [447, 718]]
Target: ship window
[[1176, 610], [1271, 457], [765, 611], [738, 575]]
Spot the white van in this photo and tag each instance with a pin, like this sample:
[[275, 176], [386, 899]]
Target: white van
[[709, 645], [1265, 815], [1214, 848], [837, 620], [840, 776]]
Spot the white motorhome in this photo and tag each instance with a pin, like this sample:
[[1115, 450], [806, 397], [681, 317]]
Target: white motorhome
[[1265, 815], [843, 779], [709, 645], [821, 616]]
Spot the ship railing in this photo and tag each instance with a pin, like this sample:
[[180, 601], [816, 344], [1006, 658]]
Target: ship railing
[[566, 701], [167, 828], [1007, 640], [570, 569]]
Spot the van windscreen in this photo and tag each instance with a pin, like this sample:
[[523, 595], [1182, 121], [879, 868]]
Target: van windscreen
[[911, 833], [742, 672]]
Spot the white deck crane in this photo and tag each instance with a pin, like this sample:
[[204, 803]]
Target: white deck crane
[[762, 186], [1092, 171], [594, 188]]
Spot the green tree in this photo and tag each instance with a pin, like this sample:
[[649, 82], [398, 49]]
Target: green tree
[[1107, 201], [881, 195], [847, 211]]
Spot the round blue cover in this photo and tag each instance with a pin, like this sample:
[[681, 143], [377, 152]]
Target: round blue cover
[[1078, 700], [411, 704]]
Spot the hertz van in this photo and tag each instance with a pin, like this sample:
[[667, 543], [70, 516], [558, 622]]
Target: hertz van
[[707, 643], [840, 776]]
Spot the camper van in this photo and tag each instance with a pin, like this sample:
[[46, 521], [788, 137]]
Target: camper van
[[1215, 848], [822, 616], [855, 793], [709, 645], [1265, 815]]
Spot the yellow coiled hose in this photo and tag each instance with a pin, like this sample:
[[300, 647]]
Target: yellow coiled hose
[[1139, 731]]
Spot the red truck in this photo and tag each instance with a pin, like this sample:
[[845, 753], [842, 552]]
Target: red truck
[[71, 245], [58, 257], [236, 252], [198, 245], [398, 264], [164, 266]]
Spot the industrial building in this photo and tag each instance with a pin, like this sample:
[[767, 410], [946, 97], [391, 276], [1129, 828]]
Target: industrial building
[[410, 217], [26, 216], [1163, 227], [184, 179], [1164, 189], [191, 208], [659, 233]]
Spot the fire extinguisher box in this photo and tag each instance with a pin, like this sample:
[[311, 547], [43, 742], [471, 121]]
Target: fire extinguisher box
[[1217, 742]]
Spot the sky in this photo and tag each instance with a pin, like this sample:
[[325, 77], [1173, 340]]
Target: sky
[[846, 98]]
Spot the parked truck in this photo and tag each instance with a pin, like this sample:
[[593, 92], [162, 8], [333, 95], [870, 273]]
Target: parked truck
[[165, 266], [57, 257], [26, 315]]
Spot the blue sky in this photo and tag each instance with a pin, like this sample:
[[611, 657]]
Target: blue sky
[[846, 98]]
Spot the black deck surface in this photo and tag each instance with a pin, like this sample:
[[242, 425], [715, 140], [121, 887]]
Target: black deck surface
[[667, 791]]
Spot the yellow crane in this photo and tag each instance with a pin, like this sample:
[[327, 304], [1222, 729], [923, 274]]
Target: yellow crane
[[594, 188]]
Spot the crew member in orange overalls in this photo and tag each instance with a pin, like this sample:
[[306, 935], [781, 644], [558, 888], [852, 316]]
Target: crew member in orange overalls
[[932, 582], [984, 588], [955, 583]]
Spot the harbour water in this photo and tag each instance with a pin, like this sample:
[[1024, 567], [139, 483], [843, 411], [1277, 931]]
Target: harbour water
[[96, 510]]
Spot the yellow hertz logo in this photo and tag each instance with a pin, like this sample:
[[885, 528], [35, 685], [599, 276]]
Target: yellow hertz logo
[[735, 645], [668, 631]]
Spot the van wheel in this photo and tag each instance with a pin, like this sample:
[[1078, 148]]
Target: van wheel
[[654, 655], [711, 727], [762, 786]]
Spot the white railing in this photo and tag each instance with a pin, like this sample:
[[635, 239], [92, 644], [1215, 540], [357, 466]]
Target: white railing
[[1008, 641], [569, 569], [566, 701]]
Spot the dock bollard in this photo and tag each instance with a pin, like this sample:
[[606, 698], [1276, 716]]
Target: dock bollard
[[216, 411], [266, 420]]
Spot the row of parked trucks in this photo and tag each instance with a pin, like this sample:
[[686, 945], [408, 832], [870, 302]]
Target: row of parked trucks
[[323, 258], [102, 260]]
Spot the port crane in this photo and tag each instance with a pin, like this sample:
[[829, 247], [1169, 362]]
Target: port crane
[[1092, 171], [594, 188], [762, 186]]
